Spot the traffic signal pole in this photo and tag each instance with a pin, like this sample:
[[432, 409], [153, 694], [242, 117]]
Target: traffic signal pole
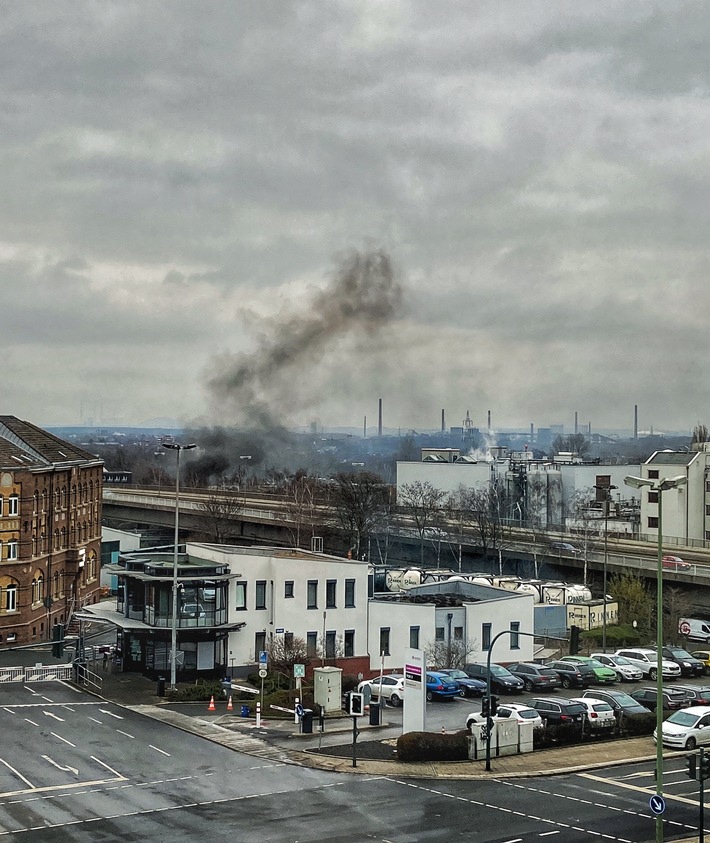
[[701, 796]]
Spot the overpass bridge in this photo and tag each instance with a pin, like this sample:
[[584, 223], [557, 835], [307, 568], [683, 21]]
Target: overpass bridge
[[267, 519]]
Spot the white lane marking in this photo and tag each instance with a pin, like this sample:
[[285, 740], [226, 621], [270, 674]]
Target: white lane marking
[[110, 769], [514, 839], [547, 833], [120, 732], [47, 705], [17, 773], [59, 737], [50, 714], [634, 787], [95, 720], [66, 708], [66, 769], [34, 693], [47, 699], [27, 720], [9, 710], [161, 751], [106, 711]]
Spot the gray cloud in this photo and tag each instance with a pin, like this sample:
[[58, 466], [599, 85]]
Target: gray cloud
[[539, 171]]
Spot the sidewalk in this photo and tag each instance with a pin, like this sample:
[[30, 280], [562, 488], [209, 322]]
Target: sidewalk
[[280, 738]]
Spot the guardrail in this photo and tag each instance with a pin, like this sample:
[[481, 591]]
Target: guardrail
[[12, 674], [46, 673]]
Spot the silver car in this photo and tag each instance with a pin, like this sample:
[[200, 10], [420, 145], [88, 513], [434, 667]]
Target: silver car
[[626, 671]]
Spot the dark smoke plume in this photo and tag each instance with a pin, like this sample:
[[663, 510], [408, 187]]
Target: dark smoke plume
[[362, 297]]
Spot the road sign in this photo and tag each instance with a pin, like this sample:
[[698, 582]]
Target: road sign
[[657, 804], [263, 657], [299, 710], [684, 628], [263, 673], [299, 671]]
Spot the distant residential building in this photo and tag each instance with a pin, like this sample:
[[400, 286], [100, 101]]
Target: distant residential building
[[50, 531]]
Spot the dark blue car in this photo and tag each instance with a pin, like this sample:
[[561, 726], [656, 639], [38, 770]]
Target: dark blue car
[[468, 687]]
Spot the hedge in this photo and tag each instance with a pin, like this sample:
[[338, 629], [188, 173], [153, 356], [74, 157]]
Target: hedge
[[414, 747]]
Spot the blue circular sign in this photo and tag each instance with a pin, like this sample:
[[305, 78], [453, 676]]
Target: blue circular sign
[[657, 804], [299, 709]]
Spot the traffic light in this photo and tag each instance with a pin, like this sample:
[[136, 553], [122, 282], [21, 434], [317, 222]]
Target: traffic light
[[690, 766], [356, 704], [494, 705], [573, 640], [484, 706], [704, 766]]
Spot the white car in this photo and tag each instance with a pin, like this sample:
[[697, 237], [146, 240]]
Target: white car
[[626, 671], [509, 711], [391, 690], [687, 728], [647, 661], [600, 715]]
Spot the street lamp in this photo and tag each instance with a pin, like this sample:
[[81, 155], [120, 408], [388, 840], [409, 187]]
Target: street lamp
[[607, 501], [173, 446], [659, 486]]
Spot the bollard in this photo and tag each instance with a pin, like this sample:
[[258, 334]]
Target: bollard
[[258, 715]]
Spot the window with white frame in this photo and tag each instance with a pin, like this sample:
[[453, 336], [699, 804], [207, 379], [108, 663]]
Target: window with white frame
[[13, 505], [12, 549], [10, 604]]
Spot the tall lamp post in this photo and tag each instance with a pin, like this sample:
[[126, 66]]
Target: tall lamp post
[[659, 486], [173, 446], [607, 501]]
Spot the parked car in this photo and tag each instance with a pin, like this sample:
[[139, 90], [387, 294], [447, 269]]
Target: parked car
[[572, 675], [646, 660], [536, 677], [689, 666], [563, 547], [558, 711], [502, 680], [435, 533], [441, 685], [508, 711], [626, 671], [675, 563], [671, 700], [391, 689], [603, 675], [687, 728], [695, 694], [623, 705], [600, 715], [467, 687], [704, 657]]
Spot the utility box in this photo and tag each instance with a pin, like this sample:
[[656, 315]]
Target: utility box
[[327, 688]]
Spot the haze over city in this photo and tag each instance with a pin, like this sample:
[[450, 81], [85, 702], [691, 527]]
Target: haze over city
[[186, 186]]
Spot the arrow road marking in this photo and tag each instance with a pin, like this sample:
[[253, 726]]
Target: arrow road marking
[[66, 769], [110, 713], [50, 714]]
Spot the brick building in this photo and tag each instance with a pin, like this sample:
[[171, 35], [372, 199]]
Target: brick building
[[50, 531]]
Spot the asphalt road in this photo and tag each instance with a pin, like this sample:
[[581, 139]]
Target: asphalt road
[[74, 768]]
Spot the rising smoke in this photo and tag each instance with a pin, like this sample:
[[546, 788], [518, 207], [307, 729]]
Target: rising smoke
[[363, 296]]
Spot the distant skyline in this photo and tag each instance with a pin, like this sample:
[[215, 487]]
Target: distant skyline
[[182, 183]]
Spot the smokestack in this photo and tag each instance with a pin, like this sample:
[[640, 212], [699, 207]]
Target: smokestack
[[379, 419], [489, 421], [576, 425], [443, 422], [636, 421], [589, 429], [364, 427], [532, 431]]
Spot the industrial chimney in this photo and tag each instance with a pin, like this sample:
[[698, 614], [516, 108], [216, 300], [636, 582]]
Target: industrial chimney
[[379, 420]]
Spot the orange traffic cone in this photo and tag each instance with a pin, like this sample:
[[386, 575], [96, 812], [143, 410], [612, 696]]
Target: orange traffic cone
[[211, 707], [230, 707]]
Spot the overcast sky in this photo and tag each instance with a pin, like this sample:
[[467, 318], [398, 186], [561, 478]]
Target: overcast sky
[[180, 179]]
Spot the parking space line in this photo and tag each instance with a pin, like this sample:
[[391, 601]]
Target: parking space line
[[64, 740], [120, 732], [161, 751], [27, 720]]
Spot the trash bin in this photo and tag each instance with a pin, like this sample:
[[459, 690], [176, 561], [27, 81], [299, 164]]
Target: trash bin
[[307, 721], [245, 711], [161, 686], [374, 715]]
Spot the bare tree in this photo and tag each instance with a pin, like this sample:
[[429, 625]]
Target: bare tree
[[677, 604], [359, 501], [485, 512], [587, 525], [301, 506], [700, 434], [423, 503], [284, 652], [218, 520], [575, 443], [449, 653]]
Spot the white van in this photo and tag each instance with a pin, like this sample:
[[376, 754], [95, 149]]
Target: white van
[[694, 629]]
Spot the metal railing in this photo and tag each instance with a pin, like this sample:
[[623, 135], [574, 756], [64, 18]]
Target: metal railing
[[12, 674], [45, 673]]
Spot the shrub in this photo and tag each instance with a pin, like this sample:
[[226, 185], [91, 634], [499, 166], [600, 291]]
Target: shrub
[[201, 690], [632, 725], [432, 746], [557, 733]]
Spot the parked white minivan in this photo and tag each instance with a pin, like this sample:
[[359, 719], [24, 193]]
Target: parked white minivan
[[694, 629], [647, 660]]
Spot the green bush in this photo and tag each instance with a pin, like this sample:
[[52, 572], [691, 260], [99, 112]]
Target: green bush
[[201, 690], [557, 734], [633, 725], [432, 746], [623, 635]]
